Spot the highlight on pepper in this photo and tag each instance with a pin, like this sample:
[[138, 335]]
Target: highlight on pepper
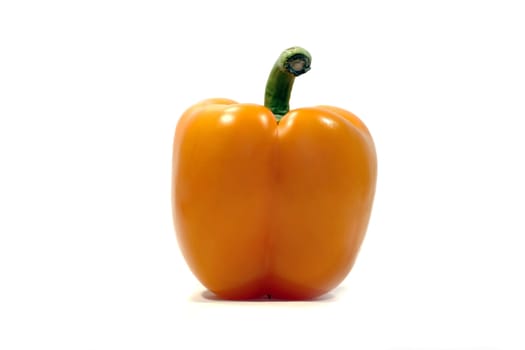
[[269, 201]]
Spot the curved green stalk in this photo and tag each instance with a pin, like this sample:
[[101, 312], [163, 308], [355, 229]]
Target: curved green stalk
[[290, 64]]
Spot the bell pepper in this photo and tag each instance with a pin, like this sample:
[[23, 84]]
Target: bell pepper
[[269, 202]]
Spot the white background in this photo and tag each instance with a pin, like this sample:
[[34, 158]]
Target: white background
[[90, 92]]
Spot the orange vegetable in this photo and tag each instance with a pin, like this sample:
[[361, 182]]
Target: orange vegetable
[[268, 201]]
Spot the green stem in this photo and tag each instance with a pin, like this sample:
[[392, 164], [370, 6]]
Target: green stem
[[290, 64]]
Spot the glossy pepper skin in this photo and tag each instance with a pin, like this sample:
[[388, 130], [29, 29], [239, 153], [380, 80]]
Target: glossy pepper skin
[[268, 207]]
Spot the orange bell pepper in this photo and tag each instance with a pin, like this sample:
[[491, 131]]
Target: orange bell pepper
[[271, 202]]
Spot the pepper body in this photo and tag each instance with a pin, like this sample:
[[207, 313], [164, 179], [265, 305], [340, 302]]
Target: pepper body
[[263, 207]]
